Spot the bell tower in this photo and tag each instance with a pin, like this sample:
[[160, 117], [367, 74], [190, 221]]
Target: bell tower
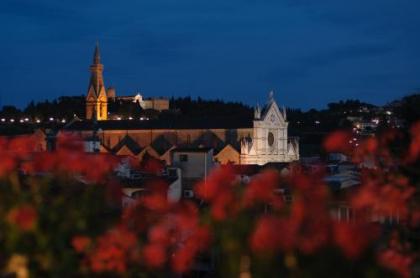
[[96, 98]]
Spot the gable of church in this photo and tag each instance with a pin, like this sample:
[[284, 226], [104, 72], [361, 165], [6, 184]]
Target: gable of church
[[273, 116]]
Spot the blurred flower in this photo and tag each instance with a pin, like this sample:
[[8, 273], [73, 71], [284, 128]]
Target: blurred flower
[[187, 250], [24, 217], [8, 164], [338, 141], [261, 189], [354, 238], [80, 243], [396, 262], [113, 251], [154, 255], [219, 190], [268, 233], [414, 148]]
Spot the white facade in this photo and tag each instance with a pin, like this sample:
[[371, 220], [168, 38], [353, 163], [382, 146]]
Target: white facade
[[269, 141]]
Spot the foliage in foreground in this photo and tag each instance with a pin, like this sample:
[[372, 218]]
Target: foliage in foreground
[[60, 216]]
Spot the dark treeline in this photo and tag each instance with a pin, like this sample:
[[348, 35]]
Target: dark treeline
[[204, 108], [336, 115], [63, 107]]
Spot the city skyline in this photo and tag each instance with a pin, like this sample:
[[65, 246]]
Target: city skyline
[[309, 54]]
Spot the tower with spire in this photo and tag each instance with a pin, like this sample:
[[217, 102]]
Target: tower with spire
[[96, 98]]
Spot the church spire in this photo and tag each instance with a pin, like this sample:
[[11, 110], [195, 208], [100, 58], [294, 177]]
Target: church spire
[[271, 96], [96, 98], [97, 55]]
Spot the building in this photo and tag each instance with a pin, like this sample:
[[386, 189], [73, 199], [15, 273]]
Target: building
[[269, 141], [158, 104], [96, 98], [259, 141], [195, 165]]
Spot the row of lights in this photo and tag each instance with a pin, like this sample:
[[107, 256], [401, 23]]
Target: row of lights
[[315, 122], [26, 120], [131, 118]]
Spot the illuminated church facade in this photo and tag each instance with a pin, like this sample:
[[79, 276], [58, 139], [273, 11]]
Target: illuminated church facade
[[260, 141]]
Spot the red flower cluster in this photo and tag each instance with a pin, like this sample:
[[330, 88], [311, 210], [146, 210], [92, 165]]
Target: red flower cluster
[[304, 228], [69, 158], [338, 141], [353, 238], [113, 251], [177, 238], [262, 188], [414, 149], [12, 151], [81, 243], [383, 199], [396, 261], [219, 189], [24, 217]]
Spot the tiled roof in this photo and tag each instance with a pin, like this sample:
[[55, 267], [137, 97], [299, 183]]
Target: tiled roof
[[161, 145], [191, 149], [213, 123], [129, 143]]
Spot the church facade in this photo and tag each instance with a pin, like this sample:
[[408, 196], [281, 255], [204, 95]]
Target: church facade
[[261, 141], [269, 141]]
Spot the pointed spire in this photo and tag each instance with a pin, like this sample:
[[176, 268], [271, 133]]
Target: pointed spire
[[257, 112], [97, 55], [284, 113], [271, 96]]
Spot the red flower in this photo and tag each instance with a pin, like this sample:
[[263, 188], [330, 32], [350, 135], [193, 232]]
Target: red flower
[[80, 243], [383, 199], [188, 249], [414, 149], [156, 202], [114, 251], [337, 141], [69, 142], [262, 189], [396, 262], [354, 238], [24, 217], [367, 149], [270, 234], [159, 234], [219, 190], [7, 163], [154, 255], [22, 145], [218, 181]]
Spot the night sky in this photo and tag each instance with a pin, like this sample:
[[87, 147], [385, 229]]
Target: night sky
[[310, 52]]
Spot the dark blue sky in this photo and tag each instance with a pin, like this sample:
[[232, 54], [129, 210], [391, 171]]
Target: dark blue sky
[[310, 52]]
